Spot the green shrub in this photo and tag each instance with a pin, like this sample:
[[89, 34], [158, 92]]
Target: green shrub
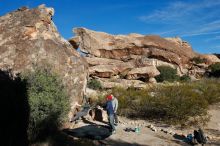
[[209, 89], [167, 74], [215, 69], [175, 104], [178, 103], [198, 60], [49, 103], [94, 84], [185, 78]]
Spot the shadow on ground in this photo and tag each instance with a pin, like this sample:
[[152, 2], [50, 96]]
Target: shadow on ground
[[14, 109], [94, 132], [69, 137], [94, 135]]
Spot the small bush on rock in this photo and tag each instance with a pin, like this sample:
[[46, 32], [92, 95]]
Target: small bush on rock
[[198, 60], [185, 78], [167, 74], [215, 69], [94, 84]]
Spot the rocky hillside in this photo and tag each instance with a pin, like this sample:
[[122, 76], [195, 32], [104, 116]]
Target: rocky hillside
[[133, 57], [28, 37]]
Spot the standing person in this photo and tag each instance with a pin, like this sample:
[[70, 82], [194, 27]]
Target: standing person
[[110, 112], [115, 107]]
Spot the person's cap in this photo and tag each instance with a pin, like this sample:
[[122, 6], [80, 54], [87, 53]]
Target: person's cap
[[109, 97]]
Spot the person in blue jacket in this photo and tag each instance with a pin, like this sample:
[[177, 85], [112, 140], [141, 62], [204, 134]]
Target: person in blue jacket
[[110, 112]]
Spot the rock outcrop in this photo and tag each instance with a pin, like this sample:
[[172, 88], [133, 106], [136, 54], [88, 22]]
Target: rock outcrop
[[210, 58], [28, 37], [135, 56], [121, 47]]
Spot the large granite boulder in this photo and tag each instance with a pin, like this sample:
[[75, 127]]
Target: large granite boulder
[[28, 37]]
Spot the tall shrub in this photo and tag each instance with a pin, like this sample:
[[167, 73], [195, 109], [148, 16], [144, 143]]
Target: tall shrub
[[209, 90], [184, 104], [48, 103], [179, 103]]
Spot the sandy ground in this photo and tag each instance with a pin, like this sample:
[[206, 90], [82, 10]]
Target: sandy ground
[[99, 132], [145, 137], [213, 126]]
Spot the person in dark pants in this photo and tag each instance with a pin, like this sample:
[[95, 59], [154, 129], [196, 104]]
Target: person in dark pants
[[110, 112]]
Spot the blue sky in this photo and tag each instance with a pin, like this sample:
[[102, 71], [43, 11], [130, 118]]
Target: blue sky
[[196, 21]]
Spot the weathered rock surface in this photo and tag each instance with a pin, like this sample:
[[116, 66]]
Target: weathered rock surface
[[101, 44], [102, 61], [91, 93], [136, 56], [28, 37], [110, 83], [210, 58], [143, 72]]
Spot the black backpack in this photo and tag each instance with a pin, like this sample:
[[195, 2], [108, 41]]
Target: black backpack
[[199, 136]]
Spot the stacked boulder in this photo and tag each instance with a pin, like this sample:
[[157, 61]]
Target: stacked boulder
[[133, 56]]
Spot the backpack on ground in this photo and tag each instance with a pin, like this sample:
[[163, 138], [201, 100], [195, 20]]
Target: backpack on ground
[[200, 136]]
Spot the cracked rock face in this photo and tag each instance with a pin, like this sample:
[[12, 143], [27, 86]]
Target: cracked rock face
[[104, 45], [134, 56], [28, 37]]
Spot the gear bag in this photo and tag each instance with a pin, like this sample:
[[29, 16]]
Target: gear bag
[[200, 136]]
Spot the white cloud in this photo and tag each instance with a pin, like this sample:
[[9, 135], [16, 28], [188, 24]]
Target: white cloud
[[189, 19], [172, 31], [216, 47], [213, 38], [172, 12], [199, 33], [205, 29], [179, 10], [211, 26]]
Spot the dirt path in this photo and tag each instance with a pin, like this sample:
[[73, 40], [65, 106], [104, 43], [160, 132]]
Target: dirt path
[[213, 126], [145, 137], [148, 135]]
